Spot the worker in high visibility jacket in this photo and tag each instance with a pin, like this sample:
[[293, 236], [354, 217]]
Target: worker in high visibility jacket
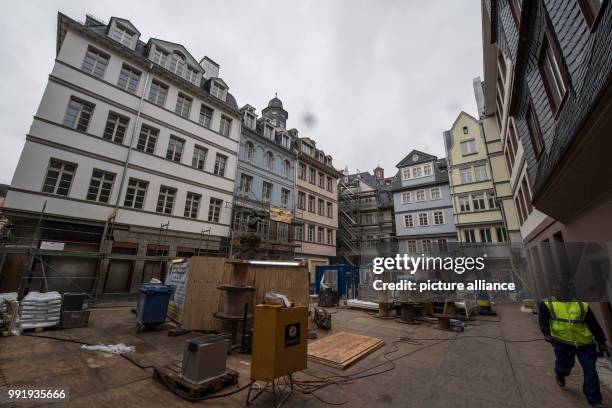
[[570, 326]]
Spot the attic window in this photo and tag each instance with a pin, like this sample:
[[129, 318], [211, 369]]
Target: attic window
[[177, 64], [465, 130], [218, 90], [122, 35]]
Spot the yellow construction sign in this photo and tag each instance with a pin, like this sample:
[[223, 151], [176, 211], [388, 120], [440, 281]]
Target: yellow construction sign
[[280, 214]]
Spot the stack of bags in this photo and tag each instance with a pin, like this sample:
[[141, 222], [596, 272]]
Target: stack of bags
[[40, 310]]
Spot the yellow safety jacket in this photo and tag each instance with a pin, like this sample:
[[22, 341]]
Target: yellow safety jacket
[[567, 322]]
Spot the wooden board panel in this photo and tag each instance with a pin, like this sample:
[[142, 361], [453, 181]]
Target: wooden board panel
[[207, 273], [342, 349]]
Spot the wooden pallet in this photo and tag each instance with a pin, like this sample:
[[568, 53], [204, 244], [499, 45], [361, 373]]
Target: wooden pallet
[[342, 349], [170, 376]]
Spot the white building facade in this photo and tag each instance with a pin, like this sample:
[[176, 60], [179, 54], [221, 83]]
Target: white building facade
[[131, 138]]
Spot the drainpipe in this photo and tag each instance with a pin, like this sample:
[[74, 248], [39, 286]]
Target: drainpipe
[[132, 137]]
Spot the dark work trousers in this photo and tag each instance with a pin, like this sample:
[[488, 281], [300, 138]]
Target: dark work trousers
[[587, 355]]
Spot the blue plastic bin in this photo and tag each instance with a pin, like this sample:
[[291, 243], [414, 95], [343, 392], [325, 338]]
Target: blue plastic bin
[[152, 304]]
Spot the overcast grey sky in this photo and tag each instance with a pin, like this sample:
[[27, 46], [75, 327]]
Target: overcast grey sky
[[380, 77]]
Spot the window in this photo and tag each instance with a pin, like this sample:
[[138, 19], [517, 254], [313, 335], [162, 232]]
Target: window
[[438, 217], [417, 172], [286, 168], [302, 171], [206, 115], [535, 134], [268, 131], [160, 56], [158, 93], [468, 147], [220, 163], [480, 173], [520, 207], [249, 151], [299, 232], [135, 193], [501, 234], [408, 221], [491, 199], [192, 75], [95, 62], [249, 120], [442, 245], [367, 219], [423, 219], [321, 180], [175, 149], [78, 114], [526, 192], [405, 197], [282, 233], [590, 10], [147, 139], [435, 193], [301, 201], [412, 246], [330, 237], [269, 161], [552, 73], [199, 157], [123, 36], [465, 130], [330, 184], [225, 126], [321, 207], [192, 203], [406, 173], [310, 237], [218, 90], [420, 195], [165, 201], [466, 175], [469, 235], [214, 209], [100, 186], [426, 244], [311, 204], [330, 210], [266, 192], [116, 126], [464, 203], [320, 233], [479, 201], [485, 235], [183, 105], [128, 79], [246, 184], [427, 169], [312, 175], [59, 177], [285, 197]]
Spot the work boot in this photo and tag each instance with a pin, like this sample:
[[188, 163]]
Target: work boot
[[560, 381], [597, 405]]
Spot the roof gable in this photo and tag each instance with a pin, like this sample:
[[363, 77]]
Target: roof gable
[[415, 157], [172, 47], [126, 23]]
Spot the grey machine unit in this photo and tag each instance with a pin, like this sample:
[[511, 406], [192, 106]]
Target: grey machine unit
[[204, 358]]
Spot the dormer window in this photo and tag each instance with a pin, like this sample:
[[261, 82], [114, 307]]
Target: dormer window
[[177, 64], [217, 90], [249, 120], [160, 57], [122, 36], [268, 131], [191, 75], [285, 141]]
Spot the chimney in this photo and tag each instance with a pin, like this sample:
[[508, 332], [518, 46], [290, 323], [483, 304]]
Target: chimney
[[379, 173], [211, 68]]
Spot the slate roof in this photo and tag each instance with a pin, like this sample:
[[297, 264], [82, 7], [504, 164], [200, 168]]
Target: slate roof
[[440, 172], [141, 50], [421, 157]]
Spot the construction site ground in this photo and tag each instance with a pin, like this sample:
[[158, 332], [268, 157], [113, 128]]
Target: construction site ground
[[473, 368]]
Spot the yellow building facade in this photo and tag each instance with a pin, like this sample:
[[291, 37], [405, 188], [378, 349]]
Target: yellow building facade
[[483, 207]]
